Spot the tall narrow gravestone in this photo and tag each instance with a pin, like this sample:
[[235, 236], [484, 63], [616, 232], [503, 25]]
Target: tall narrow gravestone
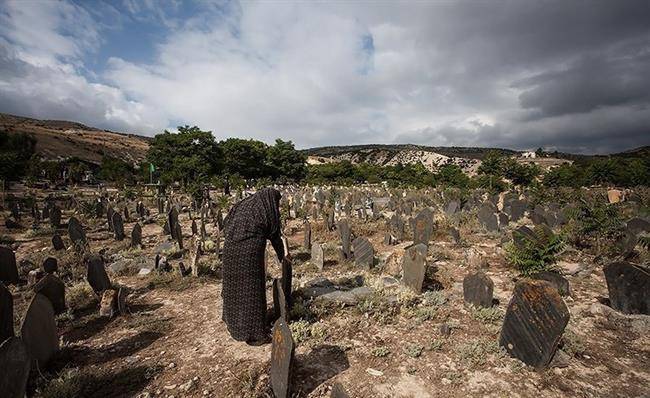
[[478, 289], [534, 323], [8, 269], [307, 239], [118, 226], [344, 234], [423, 227], [15, 364], [57, 242], [136, 236], [317, 256], [629, 287], [364, 253], [76, 233], [6, 313], [53, 288], [38, 330], [282, 351], [279, 301], [96, 275], [414, 265]]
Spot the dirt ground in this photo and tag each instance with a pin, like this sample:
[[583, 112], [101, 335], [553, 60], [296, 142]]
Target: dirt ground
[[174, 344]]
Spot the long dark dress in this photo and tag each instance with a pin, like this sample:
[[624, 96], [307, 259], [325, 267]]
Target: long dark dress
[[247, 227]]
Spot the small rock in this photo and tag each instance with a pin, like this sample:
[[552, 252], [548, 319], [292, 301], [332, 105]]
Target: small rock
[[374, 372], [172, 365], [187, 387]]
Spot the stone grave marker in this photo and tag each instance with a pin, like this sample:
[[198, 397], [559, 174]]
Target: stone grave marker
[[15, 365], [307, 238], [282, 351], [57, 242], [172, 221], [127, 215], [414, 265], [555, 279], [50, 265], [488, 218], [77, 234], [55, 217], [478, 289], [317, 256], [178, 234], [338, 391], [6, 313], [108, 304], [136, 236], [637, 225], [195, 228], [629, 287], [287, 277], [364, 253], [423, 227], [452, 207], [109, 217], [280, 308], [455, 235], [8, 268], [118, 227], [345, 235], [534, 323], [99, 209], [38, 330], [122, 294], [53, 288], [96, 274]]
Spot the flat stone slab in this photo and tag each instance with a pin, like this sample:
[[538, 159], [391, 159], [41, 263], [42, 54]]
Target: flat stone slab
[[282, 352], [38, 330], [15, 365], [629, 287], [348, 297], [414, 265]]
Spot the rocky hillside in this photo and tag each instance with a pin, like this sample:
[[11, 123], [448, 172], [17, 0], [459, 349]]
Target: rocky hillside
[[57, 139]]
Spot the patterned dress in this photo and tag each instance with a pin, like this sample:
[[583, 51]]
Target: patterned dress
[[247, 227]]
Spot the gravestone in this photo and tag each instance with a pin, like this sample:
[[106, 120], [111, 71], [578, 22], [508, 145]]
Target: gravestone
[[54, 289], [344, 234], [76, 233], [629, 287], [280, 308], [523, 236], [317, 256], [127, 215], [637, 225], [108, 303], [6, 313], [15, 365], [287, 277], [118, 227], [55, 217], [488, 218], [8, 268], [122, 294], [178, 234], [282, 351], [478, 289], [99, 209], [46, 211], [307, 238], [136, 236], [364, 253], [50, 265], [109, 217], [57, 242], [338, 391], [195, 228], [538, 216], [172, 221], [503, 220], [555, 279], [534, 323], [414, 266], [423, 227], [38, 330], [517, 210], [96, 275], [455, 235]]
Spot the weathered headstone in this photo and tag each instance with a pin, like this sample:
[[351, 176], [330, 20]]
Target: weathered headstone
[[344, 234], [282, 351], [317, 256], [637, 225], [77, 234], [38, 330], [555, 279], [414, 265], [287, 277], [136, 236], [50, 265], [172, 221], [280, 307], [178, 234], [307, 238], [108, 304], [109, 217], [8, 268], [55, 217], [478, 289], [629, 287], [57, 242], [15, 365], [534, 323], [118, 226], [122, 294], [53, 288], [96, 275], [423, 227], [488, 218], [455, 235], [195, 228], [6, 313], [338, 391], [364, 253]]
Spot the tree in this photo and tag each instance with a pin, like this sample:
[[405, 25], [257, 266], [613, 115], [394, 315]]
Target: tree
[[284, 161], [246, 158], [116, 170], [519, 173], [16, 149]]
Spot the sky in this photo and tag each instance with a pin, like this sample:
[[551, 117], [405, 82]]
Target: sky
[[564, 75]]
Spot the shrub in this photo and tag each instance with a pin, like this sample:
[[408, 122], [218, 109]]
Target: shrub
[[535, 253]]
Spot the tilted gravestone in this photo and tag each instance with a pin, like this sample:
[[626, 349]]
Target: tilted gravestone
[[172, 221], [50, 265], [178, 234], [414, 266], [38, 330], [307, 238], [345, 234], [488, 218], [423, 227], [338, 391], [57, 242], [534, 323], [118, 226], [15, 365], [53, 288], [517, 210], [282, 351], [55, 217], [364, 253], [317, 256], [8, 268], [136, 235], [96, 275], [109, 217], [6, 313], [555, 279], [280, 308], [629, 287], [637, 225], [76, 233], [287, 277], [108, 303], [478, 289]]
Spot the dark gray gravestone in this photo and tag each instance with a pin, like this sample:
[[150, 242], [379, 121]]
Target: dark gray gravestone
[[344, 234], [307, 238], [280, 308], [54, 289], [364, 253], [488, 218], [46, 211], [118, 226], [109, 217], [57, 242], [76, 233], [317, 256], [478, 289], [127, 215], [637, 225], [503, 220], [455, 235], [629, 287], [534, 323], [38, 330], [423, 227], [55, 217], [452, 207], [555, 279], [538, 216], [178, 234], [338, 391], [517, 209], [6, 313], [15, 365], [50, 265], [8, 269], [195, 228], [414, 265], [96, 275], [172, 221], [287, 277], [136, 235], [122, 294], [282, 350], [523, 236], [99, 209]]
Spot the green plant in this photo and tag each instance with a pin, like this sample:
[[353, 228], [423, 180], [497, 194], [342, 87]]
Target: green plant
[[300, 331], [381, 352], [414, 350], [487, 315], [537, 253], [596, 222], [475, 352]]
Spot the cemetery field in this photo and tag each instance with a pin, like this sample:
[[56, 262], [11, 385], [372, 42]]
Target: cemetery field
[[394, 293]]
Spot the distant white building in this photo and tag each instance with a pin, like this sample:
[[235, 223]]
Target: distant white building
[[529, 155]]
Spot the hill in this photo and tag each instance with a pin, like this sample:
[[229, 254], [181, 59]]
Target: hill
[[59, 139]]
